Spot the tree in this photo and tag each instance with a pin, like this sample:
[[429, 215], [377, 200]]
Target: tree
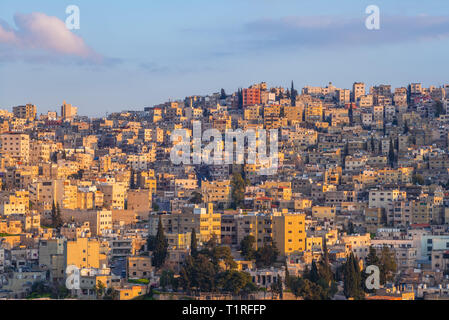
[[223, 254], [54, 157], [56, 219], [198, 273], [111, 294], [267, 255], [240, 98], [247, 247], [318, 283], [351, 228], [388, 265], [161, 246], [314, 274], [197, 198], [223, 94], [352, 278], [293, 95], [193, 243], [302, 287], [418, 179], [151, 242], [277, 287], [372, 258], [406, 128], [210, 245], [391, 156], [168, 280], [235, 282], [132, 182], [325, 271], [439, 109], [351, 115], [238, 189], [100, 289]]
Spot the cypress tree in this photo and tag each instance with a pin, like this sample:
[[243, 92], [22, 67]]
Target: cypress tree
[[56, 219], [351, 115], [132, 182], [193, 244], [293, 95], [352, 278], [391, 154], [161, 247], [240, 98], [223, 94], [348, 277], [314, 276], [325, 268]]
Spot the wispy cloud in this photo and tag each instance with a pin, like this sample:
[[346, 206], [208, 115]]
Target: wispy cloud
[[41, 38], [325, 31]]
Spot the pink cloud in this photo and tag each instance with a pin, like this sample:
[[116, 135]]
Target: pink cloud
[[39, 32]]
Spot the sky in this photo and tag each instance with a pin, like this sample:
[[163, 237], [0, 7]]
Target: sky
[[128, 55]]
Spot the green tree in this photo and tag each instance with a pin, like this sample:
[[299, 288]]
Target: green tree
[[240, 98], [223, 254], [352, 279], [351, 115], [293, 95], [391, 156], [168, 280], [439, 109], [56, 219], [223, 94], [306, 289], [372, 258], [418, 179], [198, 273], [325, 271], [132, 182], [151, 242], [197, 198], [314, 274], [193, 243], [406, 128], [247, 247], [235, 282], [277, 288], [267, 255], [161, 246], [351, 228], [238, 189], [388, 265], [100, 289]]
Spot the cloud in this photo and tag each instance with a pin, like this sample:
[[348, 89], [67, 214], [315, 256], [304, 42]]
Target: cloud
[[42, 38], [326, 31]]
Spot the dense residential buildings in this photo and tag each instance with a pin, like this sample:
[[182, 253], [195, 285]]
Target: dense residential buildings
[[362, 173]]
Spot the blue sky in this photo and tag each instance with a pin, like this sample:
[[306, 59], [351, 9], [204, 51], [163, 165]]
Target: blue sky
[[128, 55]]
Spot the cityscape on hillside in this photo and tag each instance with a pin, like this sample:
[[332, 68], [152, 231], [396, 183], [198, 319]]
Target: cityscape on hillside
[[357, 207], [223, 159]]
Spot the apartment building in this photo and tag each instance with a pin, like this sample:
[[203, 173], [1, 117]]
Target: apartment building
[[16, 145], [85, 253]]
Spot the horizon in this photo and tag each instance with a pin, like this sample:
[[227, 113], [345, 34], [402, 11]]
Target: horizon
[[229, 93]]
